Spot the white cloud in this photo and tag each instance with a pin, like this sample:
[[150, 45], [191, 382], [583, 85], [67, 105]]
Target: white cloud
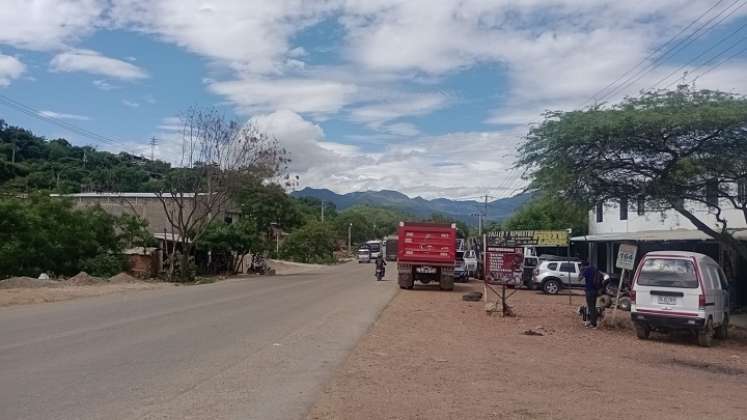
[[94, 63], [47, 24], [313, 96], [171, 124], [10, 68], [104, 85], [399, 106], [63, 116], [401, 129], [130, 104]]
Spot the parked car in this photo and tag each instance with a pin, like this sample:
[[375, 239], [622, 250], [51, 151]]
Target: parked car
[[364, 255], [677, 290], [555, 274]]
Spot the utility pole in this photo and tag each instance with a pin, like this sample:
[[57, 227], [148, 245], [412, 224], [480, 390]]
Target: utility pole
[[153, 143], [322, 211], [350, 245], [13, 153], [85, 158]]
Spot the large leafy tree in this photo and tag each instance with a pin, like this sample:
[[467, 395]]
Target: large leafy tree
[[684, 150], [547, 213]]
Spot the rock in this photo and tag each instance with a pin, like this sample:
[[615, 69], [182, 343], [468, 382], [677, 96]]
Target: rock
[[472, 296], [533, 332]]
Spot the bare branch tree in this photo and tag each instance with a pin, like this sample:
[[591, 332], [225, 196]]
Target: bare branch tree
[[218, 157]]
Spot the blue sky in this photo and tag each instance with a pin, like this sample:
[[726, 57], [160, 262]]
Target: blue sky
[[429, 98]]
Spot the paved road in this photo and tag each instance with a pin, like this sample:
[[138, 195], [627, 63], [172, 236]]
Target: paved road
[[260, 348]]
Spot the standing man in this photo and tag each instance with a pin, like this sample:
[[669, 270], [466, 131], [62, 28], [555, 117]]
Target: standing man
[[591, 274]]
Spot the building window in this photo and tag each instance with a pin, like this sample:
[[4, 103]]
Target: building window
[[641, 205], [742, 191], [623, 209], [600, 212], [711, 193]]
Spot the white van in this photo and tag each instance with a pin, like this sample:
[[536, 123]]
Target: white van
[[676, 290]]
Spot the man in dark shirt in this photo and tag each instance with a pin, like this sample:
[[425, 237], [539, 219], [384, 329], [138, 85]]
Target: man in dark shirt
[[590, 273]]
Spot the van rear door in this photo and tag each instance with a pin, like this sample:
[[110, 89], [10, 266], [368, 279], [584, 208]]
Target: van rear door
[[668, 286]]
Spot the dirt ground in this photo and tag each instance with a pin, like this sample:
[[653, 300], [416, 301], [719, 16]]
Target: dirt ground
[[22, 296], [433, 356]]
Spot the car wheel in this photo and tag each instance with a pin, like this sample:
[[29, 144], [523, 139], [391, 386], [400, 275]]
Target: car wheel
[[705, 336], [551, 286], [624, 303], [642, 331], [722, 332]]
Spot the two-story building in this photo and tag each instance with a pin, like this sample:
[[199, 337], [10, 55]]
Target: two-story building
[[623, 221]]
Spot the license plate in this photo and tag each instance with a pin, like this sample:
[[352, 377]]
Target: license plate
[[667, 300]]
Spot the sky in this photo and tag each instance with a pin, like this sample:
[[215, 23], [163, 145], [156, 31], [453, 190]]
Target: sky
[[429, 98]]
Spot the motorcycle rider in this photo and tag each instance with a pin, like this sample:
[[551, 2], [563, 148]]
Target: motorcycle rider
[[380, 264]]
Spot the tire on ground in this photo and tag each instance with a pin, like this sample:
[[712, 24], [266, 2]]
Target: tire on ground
[[604, 301], [722, 332], [474, 296], [447, 282]]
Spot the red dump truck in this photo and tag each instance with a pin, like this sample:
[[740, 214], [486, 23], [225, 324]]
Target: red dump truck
[[426, 252]]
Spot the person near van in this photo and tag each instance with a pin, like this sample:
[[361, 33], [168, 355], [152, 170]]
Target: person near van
[[591, 287]]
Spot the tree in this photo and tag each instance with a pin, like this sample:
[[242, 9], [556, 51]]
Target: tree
[[232, 240], [547, 213], [313, 243], [680, 150], [218, 157]]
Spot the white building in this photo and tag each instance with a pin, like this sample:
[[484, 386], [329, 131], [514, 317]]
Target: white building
[[613, 223]]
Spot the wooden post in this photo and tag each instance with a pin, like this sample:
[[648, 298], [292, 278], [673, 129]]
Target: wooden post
[[617, 298], [485, 268]]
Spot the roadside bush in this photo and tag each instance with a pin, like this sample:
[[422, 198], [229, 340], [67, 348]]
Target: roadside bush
[[313, 243], [104, 265], [47, 235]]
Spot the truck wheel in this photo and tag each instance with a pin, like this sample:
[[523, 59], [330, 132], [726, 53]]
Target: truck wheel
[[722, 332], [705, 336], [642, 331], [551, 286], [406, 281], [447, 283]]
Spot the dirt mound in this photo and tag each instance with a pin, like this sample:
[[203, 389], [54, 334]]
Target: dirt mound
[[83, 279], [26, 282], [123, 278]]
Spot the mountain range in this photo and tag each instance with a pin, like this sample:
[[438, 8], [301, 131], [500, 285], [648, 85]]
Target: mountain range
[[464, 211]]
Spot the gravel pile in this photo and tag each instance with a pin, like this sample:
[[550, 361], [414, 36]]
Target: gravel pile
[[82, 279], [123, 278], [26, 282]]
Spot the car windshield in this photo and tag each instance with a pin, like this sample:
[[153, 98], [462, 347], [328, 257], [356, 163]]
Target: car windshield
[[374, 247], [667, 272]]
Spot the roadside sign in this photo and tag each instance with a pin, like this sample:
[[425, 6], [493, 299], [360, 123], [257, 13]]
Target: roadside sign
[[504, 265], [517, 238], [626, 257]]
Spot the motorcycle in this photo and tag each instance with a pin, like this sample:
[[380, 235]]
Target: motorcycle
[[379, 273]]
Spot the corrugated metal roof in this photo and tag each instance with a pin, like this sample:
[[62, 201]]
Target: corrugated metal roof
[[654, 235]]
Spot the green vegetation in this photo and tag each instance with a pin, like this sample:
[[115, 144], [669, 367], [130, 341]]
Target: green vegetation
[[548, 213], [29, 163], [43, 235], [312, 243], [668, 149]]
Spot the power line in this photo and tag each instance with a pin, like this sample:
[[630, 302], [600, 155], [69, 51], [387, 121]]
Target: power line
[[687, 41], [34, 113], [652, 54], [153, 143], [699, 56], [731, 57]]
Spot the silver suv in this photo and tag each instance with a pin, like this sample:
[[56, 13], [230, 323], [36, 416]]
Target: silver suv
[[553, 275]]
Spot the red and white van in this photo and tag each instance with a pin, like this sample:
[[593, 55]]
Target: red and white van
[[677, 290]]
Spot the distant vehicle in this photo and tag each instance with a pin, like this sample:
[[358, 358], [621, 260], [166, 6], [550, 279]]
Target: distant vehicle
[[364, 255], [553, 275], [426, 252], [470, 262], [390, 249], [375, 248], [676, 290], [460, 267]]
